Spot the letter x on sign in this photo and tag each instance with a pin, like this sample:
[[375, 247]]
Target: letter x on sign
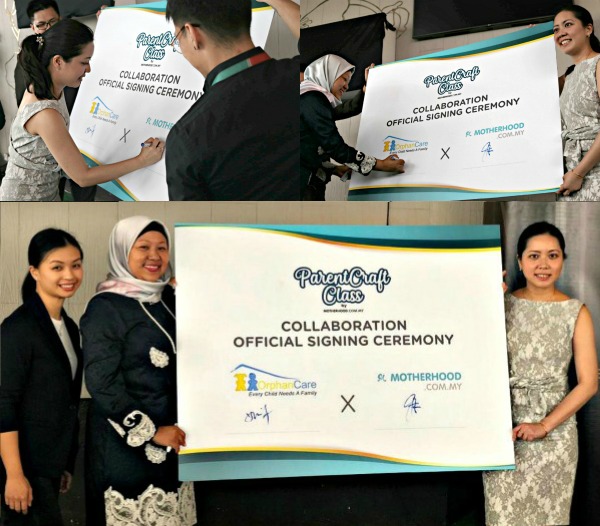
[[445, 154], [125, 132], [348, 403]]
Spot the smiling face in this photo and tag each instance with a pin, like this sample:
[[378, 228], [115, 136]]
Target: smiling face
[[149, 257], [570, 35], [340, 86], [542, 261], [72, 72], [59, 274]]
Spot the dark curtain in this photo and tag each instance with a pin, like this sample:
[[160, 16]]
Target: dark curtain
[[580, 224], [67, 8], [358, 40]]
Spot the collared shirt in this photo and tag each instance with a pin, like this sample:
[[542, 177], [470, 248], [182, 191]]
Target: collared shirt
[[239, 141]]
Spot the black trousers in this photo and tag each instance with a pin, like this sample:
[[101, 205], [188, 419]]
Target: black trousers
[[44, 510]]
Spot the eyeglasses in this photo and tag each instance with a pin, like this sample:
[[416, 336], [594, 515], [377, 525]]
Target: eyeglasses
[[176, 39], [42, 26]]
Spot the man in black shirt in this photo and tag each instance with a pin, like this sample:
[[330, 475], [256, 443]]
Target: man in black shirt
[[239, 141]]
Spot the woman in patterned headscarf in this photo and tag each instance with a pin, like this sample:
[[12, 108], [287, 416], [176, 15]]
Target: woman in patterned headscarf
[[325, 81], [129, 357]]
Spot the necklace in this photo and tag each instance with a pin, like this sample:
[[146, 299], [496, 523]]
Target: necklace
[[529, 296]]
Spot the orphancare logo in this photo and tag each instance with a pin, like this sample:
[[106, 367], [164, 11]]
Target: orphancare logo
[[155, 44], [101, 111], [258, 382], [335, 284], [451, 82], [398, 145]]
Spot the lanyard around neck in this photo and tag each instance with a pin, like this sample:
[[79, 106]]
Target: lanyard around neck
[[240, 66]]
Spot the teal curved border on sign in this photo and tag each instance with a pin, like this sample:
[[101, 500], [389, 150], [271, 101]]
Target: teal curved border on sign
[[491, 44], [251, 465], [110, 186], [161, 7], [431, 194], [417, 237]]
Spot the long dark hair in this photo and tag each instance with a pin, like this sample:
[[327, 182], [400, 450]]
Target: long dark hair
[[40, 246], [585, 17], [66, 38]]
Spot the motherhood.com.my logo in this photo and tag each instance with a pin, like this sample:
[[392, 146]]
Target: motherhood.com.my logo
[[259, 382], [344, 286], [101, 111], [453, 81]]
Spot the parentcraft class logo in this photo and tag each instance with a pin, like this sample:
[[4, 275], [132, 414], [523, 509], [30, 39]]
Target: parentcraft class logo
[[393, 145], [453, 81], [345, 286], [257, 382], [99, 110], [155, 45]]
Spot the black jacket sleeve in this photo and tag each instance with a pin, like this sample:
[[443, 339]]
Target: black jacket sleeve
[[350, 108], [317, 113], [104, 334], [15, 361]]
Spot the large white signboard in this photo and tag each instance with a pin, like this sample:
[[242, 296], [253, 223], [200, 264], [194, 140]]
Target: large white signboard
[[473, 122], [139, 86], [332, 350]]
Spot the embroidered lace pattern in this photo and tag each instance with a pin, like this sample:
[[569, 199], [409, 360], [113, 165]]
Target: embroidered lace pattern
[[154, 507]]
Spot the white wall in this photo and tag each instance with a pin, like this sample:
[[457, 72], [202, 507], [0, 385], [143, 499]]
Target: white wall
[[400, 13], [280, 44]]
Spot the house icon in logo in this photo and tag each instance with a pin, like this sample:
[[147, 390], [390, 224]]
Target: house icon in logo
[[97, 104], [248, 378]]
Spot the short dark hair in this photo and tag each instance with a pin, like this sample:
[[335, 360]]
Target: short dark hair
[[41, 244], [538, 229], [39, 5], [66, 38], [225, 20]]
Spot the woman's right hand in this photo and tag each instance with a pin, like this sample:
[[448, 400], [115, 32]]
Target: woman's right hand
[[152, 153], [390, 164], [170, 436], [18, 494]]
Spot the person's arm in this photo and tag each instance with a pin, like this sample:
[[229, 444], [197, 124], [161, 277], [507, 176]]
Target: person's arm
[[350, 108], [51, 127], [316, 112], [586, 367], [573, 179], [15, 358], [103, 332], [17, 493], [289, 12]]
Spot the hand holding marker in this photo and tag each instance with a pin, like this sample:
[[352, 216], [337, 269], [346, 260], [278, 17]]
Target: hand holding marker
[[152, 151]]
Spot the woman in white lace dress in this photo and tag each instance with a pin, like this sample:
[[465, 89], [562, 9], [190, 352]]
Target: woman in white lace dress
[[129, 358], [40, 144], [579, 104], [545, 331]]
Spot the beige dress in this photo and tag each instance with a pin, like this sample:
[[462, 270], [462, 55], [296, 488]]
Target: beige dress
[[580, 112], [32, 173], [539, 491]]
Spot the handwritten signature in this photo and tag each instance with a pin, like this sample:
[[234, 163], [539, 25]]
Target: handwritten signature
[[263, 413], [487, 150], [411, 404]]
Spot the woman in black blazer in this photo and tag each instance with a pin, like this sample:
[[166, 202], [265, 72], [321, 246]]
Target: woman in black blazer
[[40, 384]]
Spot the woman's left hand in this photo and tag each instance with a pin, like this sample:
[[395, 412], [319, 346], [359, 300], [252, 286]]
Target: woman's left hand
[[65, 482], [571, 183], [528, 431]]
